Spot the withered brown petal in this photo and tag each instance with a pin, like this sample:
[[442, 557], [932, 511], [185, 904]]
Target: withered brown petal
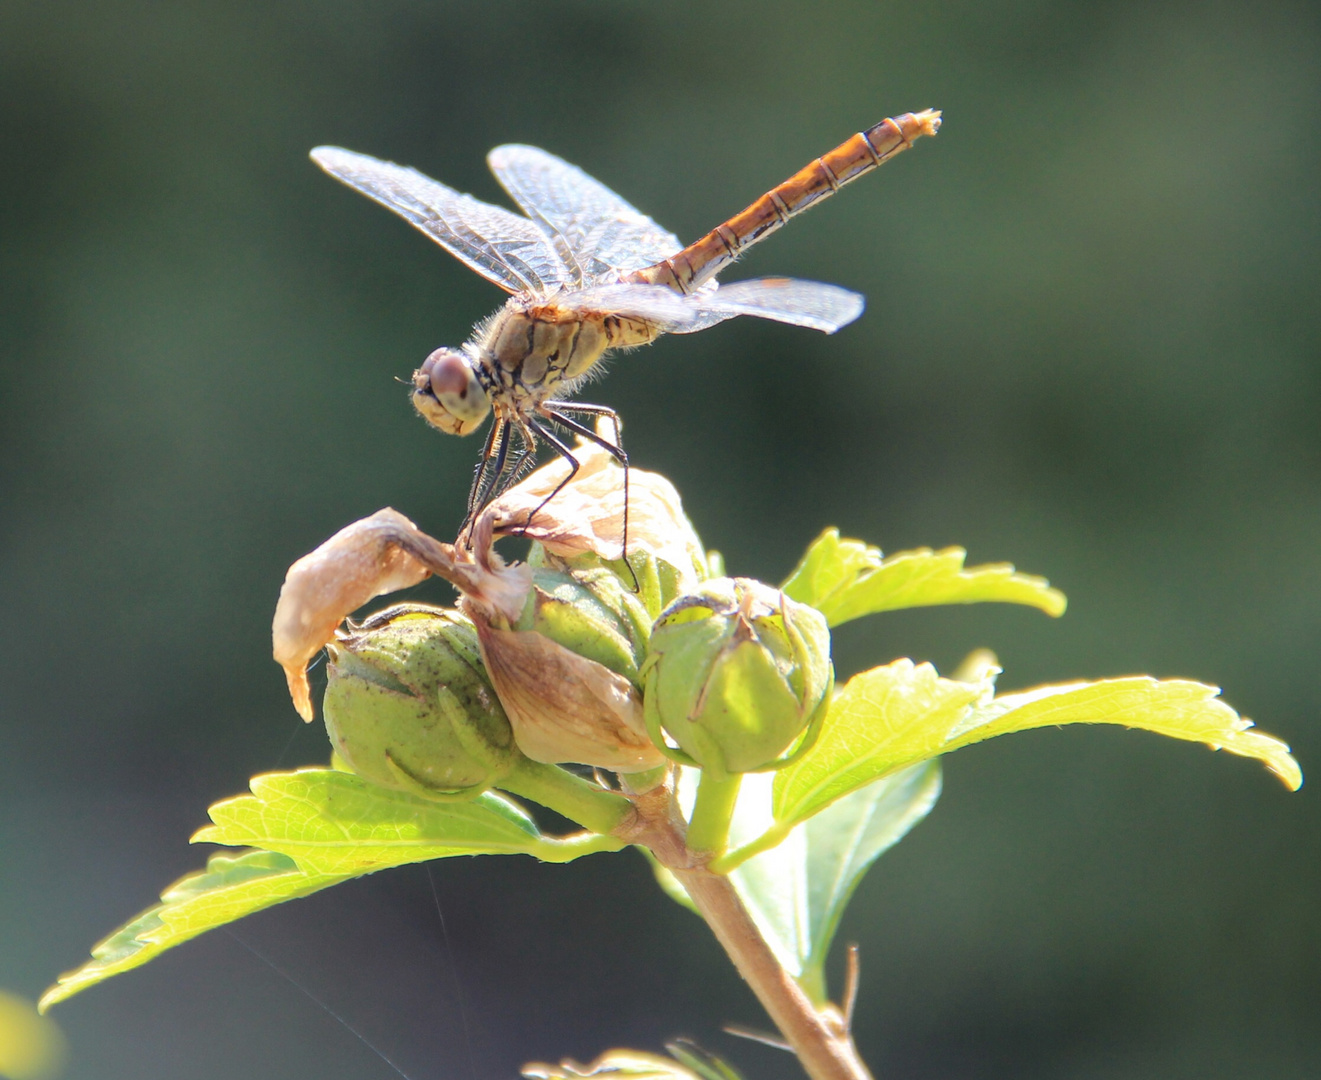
[[564, 707], [588, 514], [360, 561]]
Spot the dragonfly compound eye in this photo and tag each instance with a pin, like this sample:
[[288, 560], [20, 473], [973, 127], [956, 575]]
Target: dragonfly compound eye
[[447, 393]]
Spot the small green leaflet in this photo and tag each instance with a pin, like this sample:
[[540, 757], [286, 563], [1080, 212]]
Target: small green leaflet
[[701, 1062], [846, 579], [896, 716], [316, 828], [842, 843], [230, 887], [616, 1064], [796, 892]]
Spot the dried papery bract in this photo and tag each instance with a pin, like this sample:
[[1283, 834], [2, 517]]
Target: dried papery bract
[[587, 514], [371, 557], [565, 707]]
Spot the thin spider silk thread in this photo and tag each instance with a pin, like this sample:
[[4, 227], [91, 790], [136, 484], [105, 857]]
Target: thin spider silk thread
[[325, 1007]]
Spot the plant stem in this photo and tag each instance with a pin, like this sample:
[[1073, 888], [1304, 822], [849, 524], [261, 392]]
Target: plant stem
[[822, 1043], [820, 1037], [708, 831], [553, 787]]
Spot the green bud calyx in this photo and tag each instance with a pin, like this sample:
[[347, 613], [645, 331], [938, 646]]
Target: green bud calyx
[[408, 705], [736, 673]]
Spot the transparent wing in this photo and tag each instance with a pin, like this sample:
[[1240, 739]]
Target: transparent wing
[[655, 303], [604, 233], [803, 303], [501, 246]]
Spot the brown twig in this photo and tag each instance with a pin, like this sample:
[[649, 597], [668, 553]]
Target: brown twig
[[819, 1038]]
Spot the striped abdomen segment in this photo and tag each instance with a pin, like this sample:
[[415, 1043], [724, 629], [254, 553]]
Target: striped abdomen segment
[[700, 261]]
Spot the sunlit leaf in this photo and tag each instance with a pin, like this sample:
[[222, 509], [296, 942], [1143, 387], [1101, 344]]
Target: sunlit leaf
[[846, 579], [230, 887], [899, 715], [333, 822], [842, 843], [828, 567], [1175, 707], [881, 721], [317, 827], [796, 892]]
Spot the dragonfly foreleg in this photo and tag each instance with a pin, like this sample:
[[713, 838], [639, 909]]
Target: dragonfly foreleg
[[485, 477], [499, 433], [524, 458]]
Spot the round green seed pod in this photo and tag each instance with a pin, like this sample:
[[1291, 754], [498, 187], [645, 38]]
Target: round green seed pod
[[736, 672], [409, 706]]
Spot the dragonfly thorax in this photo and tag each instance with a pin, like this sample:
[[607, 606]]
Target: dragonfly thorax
[[531, 351], [526, 353]]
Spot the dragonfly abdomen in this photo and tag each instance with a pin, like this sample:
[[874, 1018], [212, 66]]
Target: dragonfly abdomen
[[702, 260]]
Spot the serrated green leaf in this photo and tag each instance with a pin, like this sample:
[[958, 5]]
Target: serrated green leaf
[[901, 714], [333, 822], [828, 566], [1178, 708], [317, 827], [846, 579], [881, 721], [230, 887]]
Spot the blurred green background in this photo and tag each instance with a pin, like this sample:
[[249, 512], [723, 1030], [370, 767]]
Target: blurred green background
[[1093, 347]]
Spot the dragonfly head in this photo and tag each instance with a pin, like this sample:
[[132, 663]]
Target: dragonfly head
[[448, 394]]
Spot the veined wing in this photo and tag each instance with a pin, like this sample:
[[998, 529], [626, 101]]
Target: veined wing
[[602, 231], [789, 300], [501, 246], [655, 303]]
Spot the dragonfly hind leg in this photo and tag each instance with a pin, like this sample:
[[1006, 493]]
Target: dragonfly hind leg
[[557, 412]]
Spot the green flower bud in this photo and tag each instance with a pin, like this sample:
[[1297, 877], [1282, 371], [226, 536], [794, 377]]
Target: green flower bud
[[590, 611], [736, 673], [408, 704]]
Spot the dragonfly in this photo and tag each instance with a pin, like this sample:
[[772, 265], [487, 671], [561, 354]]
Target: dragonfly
[[588, 274]]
